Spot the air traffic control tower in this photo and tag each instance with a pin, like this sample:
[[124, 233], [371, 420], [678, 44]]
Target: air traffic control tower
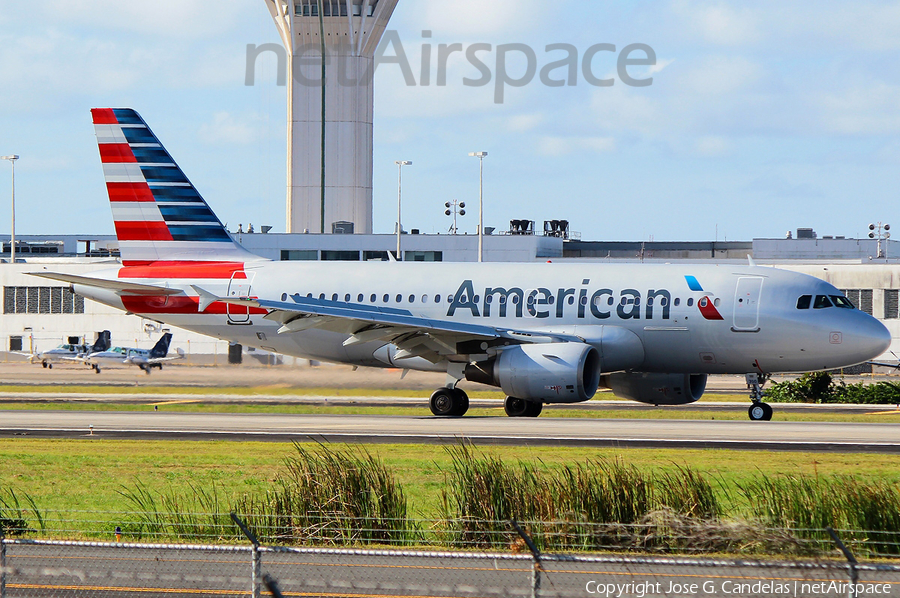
[[351, 30]]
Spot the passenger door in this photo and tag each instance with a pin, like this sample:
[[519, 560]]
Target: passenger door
[[746, 304], [239, 288]]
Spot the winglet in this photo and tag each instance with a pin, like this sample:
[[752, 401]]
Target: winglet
[[750, 260], [391, 257], [206, 298]]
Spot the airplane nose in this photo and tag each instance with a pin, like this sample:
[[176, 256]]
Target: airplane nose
[[872, 338]]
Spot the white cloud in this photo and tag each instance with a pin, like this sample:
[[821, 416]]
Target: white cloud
[[719, 22], [562, 146], [190, 19], [713, 147], [861, 110], [472, 18], [228, 129], [522, 123], [721, 75]]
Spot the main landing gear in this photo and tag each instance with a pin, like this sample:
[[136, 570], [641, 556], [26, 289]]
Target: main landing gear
[[758, 411], [521, 408], [449, 402]]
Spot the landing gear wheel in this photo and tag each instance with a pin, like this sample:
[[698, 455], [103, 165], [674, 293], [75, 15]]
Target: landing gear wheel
[[533, 409], [460, 402], [44, 363], [516, 407], [49, 366], [760, 412], [443, 401], [97, 369]]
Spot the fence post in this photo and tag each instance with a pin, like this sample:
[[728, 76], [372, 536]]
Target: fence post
[[255, 556], [2, 563], [854, 573], [536, 567]]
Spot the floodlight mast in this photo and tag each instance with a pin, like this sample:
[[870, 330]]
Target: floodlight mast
[[481, 156], [400, 164], [12, 233], [351, 31]]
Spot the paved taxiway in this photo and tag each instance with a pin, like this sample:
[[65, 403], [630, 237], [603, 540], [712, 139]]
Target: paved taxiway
[[806, 436]]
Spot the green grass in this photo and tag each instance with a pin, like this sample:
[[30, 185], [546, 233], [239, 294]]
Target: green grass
[[87, 474], [311, 489]]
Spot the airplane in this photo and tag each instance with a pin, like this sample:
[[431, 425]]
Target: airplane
[[543, 333], [68, 352], [143, 358]]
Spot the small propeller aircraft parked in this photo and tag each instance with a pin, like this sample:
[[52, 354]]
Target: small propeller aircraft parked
[[68, 352], [143, 358]]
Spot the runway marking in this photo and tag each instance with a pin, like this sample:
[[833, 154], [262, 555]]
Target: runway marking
[[178, 402], [891, 412]]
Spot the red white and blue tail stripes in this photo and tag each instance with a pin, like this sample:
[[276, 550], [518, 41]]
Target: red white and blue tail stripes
[[159, 215]]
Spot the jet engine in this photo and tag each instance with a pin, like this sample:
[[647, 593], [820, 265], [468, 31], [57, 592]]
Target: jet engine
[[549, 373], [658, 389]]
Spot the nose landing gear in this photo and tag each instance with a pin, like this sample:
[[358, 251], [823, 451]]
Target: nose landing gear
[[758, 411]]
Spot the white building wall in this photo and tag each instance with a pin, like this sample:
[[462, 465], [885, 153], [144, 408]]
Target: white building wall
[[46, 331]]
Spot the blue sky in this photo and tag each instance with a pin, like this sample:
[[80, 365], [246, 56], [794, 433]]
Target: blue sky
[[763, 117]]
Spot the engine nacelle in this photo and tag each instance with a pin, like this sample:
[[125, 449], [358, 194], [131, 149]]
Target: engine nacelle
[[658, 389], [550, 373]]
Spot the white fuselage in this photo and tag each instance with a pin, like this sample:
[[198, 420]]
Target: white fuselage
[[697, 319]]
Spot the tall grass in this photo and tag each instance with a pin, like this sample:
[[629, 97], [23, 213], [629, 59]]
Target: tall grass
[[13, 514], [591, 505], [332, 497], [198, 514], [329, 496], [842, 502]]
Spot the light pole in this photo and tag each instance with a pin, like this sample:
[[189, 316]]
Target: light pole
[[455, 208], [881, 232], [12, 235], [400, 164], [481, 156]]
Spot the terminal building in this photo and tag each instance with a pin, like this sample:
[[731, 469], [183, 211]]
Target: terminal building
[[38, 315]]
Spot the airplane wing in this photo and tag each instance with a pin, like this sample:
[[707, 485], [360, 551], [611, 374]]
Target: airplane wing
[[895, 366], [122, 288], [416, 336]]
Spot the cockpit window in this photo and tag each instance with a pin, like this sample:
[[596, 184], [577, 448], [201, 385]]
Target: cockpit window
[[822, 301], [841, 301], [804, 302]]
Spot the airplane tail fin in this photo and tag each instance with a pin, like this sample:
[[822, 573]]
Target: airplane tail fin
[[161, 349], [103, 343], [159, 215]]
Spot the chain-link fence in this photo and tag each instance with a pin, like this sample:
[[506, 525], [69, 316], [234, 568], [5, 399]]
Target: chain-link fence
[[38, 567]]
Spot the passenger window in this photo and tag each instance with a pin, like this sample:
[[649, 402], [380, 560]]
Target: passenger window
[[347, 298], [359, 298], [424, 298], [842, 301], [412, 298], [386, 298], [321, 296], [677, 301], [822, 302], [437, 298], [334, 297], [399, 298], [372, 298], [690, 303], [804, 302]]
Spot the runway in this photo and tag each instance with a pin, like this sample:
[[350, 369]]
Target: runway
[[544, 431]]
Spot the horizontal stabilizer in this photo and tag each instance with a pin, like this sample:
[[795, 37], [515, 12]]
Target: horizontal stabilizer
[[122, 288]]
